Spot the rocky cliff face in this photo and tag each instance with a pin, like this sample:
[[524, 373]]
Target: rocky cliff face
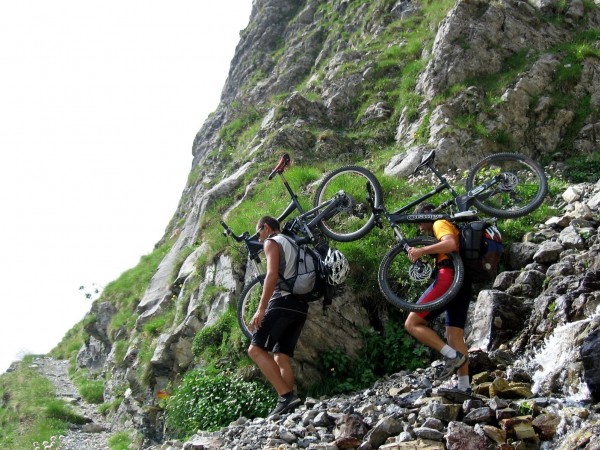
[[534, 339], [349, 80]]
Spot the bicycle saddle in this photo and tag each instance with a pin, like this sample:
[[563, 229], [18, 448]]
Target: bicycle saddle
[[284, 161], [427, 159]]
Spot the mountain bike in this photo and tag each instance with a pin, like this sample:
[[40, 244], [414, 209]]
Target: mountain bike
[[505, 185], [342, 213], [342, 203]]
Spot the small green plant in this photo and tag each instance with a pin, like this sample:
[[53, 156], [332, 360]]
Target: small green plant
[[384, 352], [223, 334], [551, 311], [161, 322], [120, 441], [92, 391], [58, 409], [208, 402], [525, 408]]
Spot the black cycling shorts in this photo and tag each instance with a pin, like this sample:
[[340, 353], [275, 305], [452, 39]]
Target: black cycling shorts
[[281, 326]]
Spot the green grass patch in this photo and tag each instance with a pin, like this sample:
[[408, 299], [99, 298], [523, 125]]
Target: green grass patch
[[120, 441], [58, 409], [222, 340], [29, 410], [91, 390], [583, 168], [70, 344], [160, 323]]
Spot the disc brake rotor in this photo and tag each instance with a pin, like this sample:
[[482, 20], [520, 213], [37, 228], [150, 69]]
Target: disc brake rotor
[[420, 272]]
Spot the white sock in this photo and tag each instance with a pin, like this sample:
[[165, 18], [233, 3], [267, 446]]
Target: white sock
[[463, 382], [448, 351]]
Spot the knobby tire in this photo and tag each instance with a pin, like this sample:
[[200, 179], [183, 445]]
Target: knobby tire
[[531, 185], [248, 303], [403, 292], [354, 219]]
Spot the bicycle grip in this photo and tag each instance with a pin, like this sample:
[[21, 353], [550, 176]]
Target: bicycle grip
[[227, 229]]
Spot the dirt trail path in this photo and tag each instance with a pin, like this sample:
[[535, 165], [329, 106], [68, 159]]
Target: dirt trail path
[[91, 436]]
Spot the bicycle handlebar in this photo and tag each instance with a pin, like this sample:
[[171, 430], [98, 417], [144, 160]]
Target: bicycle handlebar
[[284, 161], [229, 232]]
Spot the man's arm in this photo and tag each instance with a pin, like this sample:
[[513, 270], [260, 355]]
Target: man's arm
[[447, 244], [271, 250]]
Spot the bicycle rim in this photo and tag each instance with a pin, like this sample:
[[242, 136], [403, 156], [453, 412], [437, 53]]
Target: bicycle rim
[[248, 304], [356, 187], [403, 290], [521, 191]]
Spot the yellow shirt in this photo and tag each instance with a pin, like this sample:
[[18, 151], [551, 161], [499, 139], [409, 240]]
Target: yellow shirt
[[442, 228]]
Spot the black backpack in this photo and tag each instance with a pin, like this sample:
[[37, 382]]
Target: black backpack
[[481, 250]]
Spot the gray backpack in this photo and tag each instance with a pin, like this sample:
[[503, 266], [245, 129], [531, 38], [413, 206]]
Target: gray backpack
[[301, 277]]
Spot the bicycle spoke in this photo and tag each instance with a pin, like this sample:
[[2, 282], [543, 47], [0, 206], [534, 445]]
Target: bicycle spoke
[[408, 281]]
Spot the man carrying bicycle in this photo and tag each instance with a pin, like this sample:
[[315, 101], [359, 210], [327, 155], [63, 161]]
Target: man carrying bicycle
[[455, 352], [279, 319]]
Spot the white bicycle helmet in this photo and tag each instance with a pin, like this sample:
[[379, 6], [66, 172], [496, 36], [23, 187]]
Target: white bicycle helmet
[[337, 267]]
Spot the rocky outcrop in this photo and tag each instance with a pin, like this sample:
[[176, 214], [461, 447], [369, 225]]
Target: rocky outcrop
[[482, 35]]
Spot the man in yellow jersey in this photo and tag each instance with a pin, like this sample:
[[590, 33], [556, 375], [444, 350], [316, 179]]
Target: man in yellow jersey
[[455, 352]]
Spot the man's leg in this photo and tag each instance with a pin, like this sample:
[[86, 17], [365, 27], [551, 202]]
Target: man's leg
[[419, 329], [456, 340], [270, 369], [285, 369], [416, 323]]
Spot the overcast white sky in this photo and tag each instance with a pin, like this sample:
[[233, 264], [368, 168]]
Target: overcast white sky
[[99, 106]]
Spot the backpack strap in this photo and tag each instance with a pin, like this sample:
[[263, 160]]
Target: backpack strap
[[282, 278]]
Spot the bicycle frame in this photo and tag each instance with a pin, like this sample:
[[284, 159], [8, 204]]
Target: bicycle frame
[[307, 220], [254, 246], [462, 203], [397, 217]]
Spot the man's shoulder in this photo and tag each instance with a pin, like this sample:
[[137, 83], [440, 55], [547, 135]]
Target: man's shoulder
[[278, 238], [443, 227], [280, 241]]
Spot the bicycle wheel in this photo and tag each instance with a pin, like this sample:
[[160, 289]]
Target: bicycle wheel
[[248, 304], [355, 187], [521, 190], [403, 282]]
